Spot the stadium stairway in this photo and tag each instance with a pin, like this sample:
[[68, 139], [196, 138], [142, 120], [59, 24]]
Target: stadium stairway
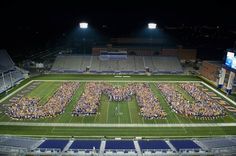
[[37, 144], [201, 145], [91, 60], [68, 145], [102, 148], [144, 63], [171, 146], [136, 145]]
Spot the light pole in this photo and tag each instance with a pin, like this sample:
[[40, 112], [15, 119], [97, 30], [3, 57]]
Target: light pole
[[152, 26], [83, 26]]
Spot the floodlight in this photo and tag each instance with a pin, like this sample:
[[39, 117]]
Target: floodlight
[[83, 25], [152, 25]]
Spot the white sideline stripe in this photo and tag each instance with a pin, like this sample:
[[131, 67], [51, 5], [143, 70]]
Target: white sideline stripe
[[115, 125], [3, 99], [227, 98], [126, 136]]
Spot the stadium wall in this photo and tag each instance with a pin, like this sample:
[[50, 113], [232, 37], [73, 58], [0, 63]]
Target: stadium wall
[[211, 71], [182, 54]]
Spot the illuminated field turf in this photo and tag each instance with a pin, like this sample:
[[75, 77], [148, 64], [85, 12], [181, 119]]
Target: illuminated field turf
[[111, 114]]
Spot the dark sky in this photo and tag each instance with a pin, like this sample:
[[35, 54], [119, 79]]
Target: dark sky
[[60, 16], [27, 22]]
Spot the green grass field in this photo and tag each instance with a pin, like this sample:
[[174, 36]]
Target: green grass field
[[128, 112]]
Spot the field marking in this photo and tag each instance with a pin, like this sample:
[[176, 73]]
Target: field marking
[[219, 93], [107, 111], [116, 125], [113, 136], [117, 81], [119, 113], [176, 116], [17, 90], [129, 113]]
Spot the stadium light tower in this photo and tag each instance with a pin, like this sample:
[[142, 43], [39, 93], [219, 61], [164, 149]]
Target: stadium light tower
[[152, 25], [83, 25]]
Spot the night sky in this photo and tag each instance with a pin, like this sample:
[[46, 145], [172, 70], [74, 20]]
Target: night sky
[[32, 25]]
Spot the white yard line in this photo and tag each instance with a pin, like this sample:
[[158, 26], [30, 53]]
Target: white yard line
[[118, 114], [107, 111], [115, 81], [126, 136], [129, 112]]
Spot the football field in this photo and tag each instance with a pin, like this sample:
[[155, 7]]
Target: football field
[[113, 118]]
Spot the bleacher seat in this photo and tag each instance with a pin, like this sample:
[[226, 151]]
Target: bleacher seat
[[10, 75], [153, 145], [185, 145], [132, 64], [120, 146], [86, 145], [53, 144]]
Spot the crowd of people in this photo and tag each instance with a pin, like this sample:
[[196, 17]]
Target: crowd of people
[[29, 108], [118, 93], [203, 99], [90, 99], [149, 105], [203, 105]]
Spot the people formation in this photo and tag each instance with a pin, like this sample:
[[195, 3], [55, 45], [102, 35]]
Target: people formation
[[204, 100], [90, 100], [203, 105], [150, 107], [29, 108]]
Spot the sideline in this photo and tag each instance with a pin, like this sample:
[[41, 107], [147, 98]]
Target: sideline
[[6, 97], [116, 125]]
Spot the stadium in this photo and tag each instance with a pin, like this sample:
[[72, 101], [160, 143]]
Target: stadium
[[108, 95]]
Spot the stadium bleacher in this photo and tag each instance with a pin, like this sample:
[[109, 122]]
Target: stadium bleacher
[[219, 142], [164, 64], [26, 143], [132, 64], [10, 75], [53, 144], [153, 145], [206, 146], [120, 147], [87, 145], [6, 62], [185, 145]]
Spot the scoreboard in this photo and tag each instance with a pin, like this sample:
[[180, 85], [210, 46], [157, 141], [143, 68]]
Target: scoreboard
[[230, 61]]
